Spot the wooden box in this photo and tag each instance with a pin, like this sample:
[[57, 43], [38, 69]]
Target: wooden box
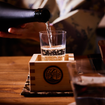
[[49, 76]]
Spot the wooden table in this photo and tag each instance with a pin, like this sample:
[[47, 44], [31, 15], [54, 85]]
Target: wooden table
[[13, 74]]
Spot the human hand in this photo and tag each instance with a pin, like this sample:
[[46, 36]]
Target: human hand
[[25, 31]]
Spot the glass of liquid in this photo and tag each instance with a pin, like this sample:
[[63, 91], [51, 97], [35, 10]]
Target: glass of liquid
[[53, 45], [88, 85]]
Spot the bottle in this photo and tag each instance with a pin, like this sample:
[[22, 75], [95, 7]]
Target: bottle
[[11, 16]]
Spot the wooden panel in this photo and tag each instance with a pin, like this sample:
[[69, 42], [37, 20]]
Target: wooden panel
[[41, 84]]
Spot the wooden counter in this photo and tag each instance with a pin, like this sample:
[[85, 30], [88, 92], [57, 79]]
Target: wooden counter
[[13, 74]]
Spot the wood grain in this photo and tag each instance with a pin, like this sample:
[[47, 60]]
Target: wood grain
[[13, 74]]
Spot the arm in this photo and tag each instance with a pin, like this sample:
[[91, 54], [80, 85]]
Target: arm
[[26, 31]]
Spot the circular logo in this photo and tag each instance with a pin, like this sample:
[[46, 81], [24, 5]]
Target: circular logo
[[53, 74]]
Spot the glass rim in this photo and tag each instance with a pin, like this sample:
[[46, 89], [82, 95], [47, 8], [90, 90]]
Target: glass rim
[[54, 31]]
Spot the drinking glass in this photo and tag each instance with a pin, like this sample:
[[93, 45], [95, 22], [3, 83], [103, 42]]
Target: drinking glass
[[53, 45], [88, 85]]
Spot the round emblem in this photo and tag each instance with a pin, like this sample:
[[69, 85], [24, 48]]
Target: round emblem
[[53, 74]]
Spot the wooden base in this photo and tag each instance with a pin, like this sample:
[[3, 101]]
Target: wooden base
[[49, 75]]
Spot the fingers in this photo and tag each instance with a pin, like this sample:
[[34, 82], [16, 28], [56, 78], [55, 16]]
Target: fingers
[[26, 31], [17, 31], [9, 35]]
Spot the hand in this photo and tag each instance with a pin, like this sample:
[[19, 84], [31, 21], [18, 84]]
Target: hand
[[25, 31]]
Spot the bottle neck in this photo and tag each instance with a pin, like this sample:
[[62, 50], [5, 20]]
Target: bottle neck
[[42, 15]]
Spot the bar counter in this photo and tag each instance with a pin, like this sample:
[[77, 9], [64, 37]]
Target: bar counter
[[13, 74]]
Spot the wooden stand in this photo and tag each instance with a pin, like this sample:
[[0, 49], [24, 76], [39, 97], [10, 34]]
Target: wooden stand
[[49, 76]]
